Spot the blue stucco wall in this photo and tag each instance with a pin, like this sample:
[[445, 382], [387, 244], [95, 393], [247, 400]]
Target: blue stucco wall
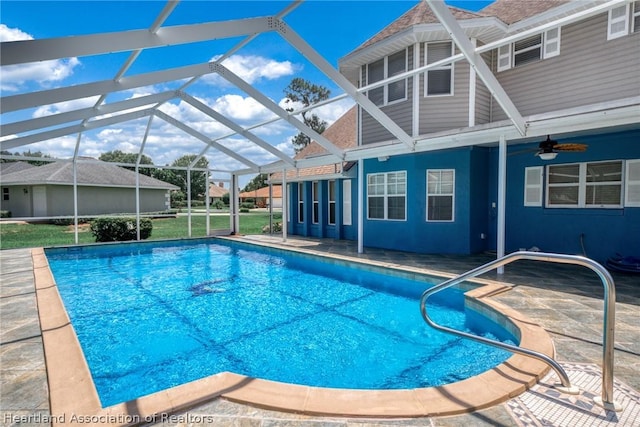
[[598, 233], [604, 232]]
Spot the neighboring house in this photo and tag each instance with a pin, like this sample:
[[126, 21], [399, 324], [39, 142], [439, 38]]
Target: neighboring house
[[261, 196], [217, 192], [10, 167], [572, 79], [103, 188]]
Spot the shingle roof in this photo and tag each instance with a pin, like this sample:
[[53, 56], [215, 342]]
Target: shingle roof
[[101, 174], [419, 14], [263, 192], [217, 191], [11, 167], [342, 133], [512, 11]]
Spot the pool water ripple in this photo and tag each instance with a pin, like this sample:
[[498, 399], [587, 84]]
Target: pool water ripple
[[152, 316]]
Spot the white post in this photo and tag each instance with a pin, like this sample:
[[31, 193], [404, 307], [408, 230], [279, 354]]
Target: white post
[[206, 202], [138, 201], [75, 189], [472, 91], [285, 205], [270, 208], [360, 206], [502, 198], [189, 200]]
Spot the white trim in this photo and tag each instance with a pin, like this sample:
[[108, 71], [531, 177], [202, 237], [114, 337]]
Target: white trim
[[385, 195], [548, 50], [582, 185], [620, 18], [346, 202], [533, 182], [301, 202], [439, 192], [472, 90], [315, 202], [632, 181], [450, 67], [331, 202], [504, 57], [635, 13]]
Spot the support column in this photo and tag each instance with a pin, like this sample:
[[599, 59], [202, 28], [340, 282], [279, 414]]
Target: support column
[[189, 200], [360, 206], [235, 203], [207, 203], [502, 198], [285, 205], [75, 189], [137, 201]]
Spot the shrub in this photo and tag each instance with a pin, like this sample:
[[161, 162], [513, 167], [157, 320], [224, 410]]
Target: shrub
[[277, 227], [244, 210], [247, 205], [5, 214], [218, 204], [68, 221], [119, 229]]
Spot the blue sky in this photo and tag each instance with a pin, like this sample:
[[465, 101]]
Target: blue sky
[[333, 28]]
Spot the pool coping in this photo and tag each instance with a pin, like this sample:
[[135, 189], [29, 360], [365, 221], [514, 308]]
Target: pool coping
[[74, 399]]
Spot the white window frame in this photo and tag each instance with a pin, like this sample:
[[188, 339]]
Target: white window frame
[[533, 186], [331, 201], [6, 194], [301, 202], [507, 53], [449, 67], [622, 18], [439, 193], [583, 184], [386, 195], [346, 202], [632, 167], [385, 88], [635, 13], [315, 200]]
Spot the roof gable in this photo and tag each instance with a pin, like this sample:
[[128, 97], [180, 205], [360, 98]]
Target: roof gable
[[95, 173]]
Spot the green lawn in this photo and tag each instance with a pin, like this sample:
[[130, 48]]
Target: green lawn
[[14, 236]]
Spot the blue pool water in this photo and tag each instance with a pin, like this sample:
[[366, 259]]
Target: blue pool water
[[150, 316]]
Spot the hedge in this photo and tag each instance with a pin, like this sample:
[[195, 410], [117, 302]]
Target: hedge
[[120, 229]]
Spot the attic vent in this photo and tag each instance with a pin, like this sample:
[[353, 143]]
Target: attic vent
[[276, 24]]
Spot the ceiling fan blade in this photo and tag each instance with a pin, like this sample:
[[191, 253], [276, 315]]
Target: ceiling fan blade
[[571, 147]]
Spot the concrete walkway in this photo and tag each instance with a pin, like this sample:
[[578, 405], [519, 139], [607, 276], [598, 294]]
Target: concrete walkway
[[565, 300]]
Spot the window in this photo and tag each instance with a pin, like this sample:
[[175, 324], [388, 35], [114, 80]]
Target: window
[[332, 202], [5, 194], [618, 24], [439, 80], [301, 202], [585, 185], [316, 205], [533, 186], [635, 18], [387, 195], [384, 68], [540, 46], [440, 194], [346, 202], [632, 179]]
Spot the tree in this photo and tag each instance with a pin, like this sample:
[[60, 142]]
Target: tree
[[27, 153], [306, 93], [199, 186], [117, 156], [256, 183]]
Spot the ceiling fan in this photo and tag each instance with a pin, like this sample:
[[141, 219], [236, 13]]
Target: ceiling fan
[[549, 149]]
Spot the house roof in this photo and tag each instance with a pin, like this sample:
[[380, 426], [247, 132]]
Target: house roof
[[512, 11], [94, 173], [419, 14], [263, 192], [10, 167], [342, 133], [217, 191]]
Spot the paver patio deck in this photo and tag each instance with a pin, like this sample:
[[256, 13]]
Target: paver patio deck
[[565, 300]]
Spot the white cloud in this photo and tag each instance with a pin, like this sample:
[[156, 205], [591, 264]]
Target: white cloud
[[14, 77], [61, 107], [237, 107], [252, 69]]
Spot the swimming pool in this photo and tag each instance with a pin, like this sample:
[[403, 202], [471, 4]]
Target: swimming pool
[[151, 316]]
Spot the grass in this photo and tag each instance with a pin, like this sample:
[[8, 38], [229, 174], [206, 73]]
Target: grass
[[13, 236]]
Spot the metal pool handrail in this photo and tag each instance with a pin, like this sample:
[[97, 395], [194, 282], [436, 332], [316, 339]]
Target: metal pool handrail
[[608, 325]]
